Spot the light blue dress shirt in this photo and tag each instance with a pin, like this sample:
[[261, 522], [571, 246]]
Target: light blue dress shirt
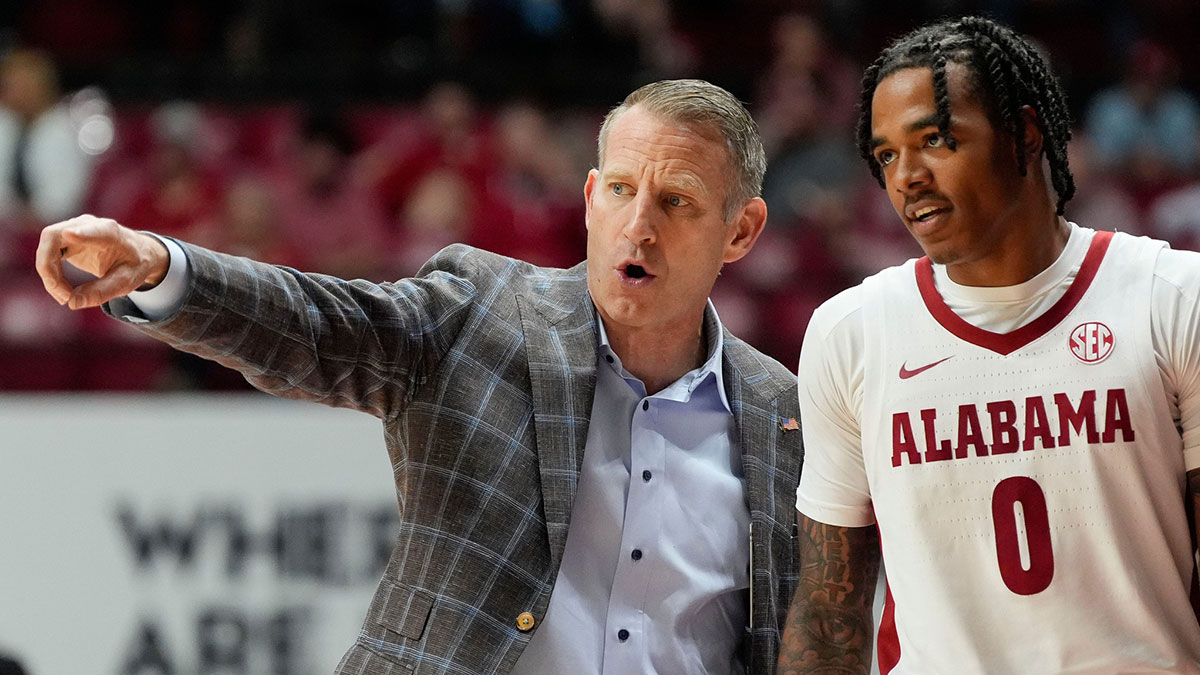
[[655, 572]]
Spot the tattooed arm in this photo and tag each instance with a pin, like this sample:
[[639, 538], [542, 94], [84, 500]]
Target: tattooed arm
[[829, 626]]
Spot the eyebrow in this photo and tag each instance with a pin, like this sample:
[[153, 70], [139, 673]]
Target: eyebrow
[[925, 122], [686, 183], [683, 181]]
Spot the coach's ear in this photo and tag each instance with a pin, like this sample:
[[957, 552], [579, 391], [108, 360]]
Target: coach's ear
[[744, 229], [589, 187]]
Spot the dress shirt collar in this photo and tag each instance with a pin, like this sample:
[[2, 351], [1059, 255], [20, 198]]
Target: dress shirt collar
[[682, 388]]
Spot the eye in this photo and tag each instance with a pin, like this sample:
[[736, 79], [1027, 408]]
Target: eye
[[617, 188], [936, 141], [885, 157], [676, 200]]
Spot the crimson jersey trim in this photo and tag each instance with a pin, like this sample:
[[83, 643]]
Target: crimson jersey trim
[[888, 642], [1007, 343]]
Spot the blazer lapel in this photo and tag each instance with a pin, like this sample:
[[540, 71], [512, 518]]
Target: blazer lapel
[[754, 398], [560, 344], [769, 460]]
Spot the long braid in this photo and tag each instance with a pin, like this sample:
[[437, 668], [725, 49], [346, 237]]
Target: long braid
[[870, 80], [1009, 75], [1005, 79], [1049, 101], [941, 92], [1057, 119]]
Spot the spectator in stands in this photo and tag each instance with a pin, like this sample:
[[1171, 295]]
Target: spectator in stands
[[523, 203], [1175, 215], [807, 102], [326, 214], [449, 136], [180, 192], [1146, 125], [440, 211], [662, 49], [249, 225], [531, 200], [1102, 199], [44, 173]]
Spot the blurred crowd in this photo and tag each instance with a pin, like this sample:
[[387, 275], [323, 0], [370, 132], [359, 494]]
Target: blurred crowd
[[420, 123]]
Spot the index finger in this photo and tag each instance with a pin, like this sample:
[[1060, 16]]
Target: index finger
[[48, 262]]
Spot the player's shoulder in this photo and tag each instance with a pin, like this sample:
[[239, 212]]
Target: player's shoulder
[[1180, 269], [1176, 271], [837, 312], [844, 310]]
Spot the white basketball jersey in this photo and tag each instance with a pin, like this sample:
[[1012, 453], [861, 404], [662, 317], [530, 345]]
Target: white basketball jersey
[[1028, 486]]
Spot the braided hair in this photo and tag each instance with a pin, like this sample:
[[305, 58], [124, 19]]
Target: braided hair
[[1006, 72]]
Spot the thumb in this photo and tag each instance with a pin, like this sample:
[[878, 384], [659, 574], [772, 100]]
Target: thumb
[[120, 280]]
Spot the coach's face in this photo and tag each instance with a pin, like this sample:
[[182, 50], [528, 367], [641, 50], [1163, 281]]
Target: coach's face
[[657, 237]]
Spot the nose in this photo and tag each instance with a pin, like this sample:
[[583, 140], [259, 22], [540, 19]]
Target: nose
[[642, 229], [911, 172]]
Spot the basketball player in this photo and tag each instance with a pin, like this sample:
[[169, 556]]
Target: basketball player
[[1010, 418]]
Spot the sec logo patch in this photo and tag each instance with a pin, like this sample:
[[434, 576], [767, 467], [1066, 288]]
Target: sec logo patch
[[1091, 342]]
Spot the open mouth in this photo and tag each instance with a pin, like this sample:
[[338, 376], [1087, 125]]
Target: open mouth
[[635, 274], [928, 212]]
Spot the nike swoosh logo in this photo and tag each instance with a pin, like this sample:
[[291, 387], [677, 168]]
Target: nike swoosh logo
[[905, 373]]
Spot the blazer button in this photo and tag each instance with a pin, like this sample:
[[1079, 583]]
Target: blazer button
[[525, 621]]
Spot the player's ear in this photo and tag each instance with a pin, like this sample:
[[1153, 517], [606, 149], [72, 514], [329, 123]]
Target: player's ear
[[1033, 134]]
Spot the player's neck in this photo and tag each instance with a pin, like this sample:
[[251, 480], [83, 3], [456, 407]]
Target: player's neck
[[1028, 243]]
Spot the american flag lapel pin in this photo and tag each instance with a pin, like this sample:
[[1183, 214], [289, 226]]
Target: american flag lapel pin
[[787, 424]]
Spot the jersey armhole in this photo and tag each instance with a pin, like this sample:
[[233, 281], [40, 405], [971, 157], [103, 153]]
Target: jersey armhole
[[834, 514]]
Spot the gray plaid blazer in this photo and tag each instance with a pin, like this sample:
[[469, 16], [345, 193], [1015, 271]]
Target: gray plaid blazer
[[482, 369]]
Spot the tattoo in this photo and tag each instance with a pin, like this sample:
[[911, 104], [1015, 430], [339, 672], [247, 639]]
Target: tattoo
[[830, 626]]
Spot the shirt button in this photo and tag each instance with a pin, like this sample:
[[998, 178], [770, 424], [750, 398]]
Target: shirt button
[[622, 635], [525, 621], [645, 405], [608, 358], [637, 554], [646, 475]]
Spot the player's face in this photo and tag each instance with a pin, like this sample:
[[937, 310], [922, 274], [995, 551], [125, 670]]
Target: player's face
[[656, 234], [960, 204]]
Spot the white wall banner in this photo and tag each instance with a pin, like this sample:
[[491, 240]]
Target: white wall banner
[[188, 535]]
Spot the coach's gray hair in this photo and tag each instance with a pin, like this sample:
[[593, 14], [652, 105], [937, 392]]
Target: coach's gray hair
[[706, 105]]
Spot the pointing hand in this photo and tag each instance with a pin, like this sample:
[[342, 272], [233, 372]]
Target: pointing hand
[[121, 259]]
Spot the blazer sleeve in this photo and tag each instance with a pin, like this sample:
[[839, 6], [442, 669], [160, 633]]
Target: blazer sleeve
[[350, 344]]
